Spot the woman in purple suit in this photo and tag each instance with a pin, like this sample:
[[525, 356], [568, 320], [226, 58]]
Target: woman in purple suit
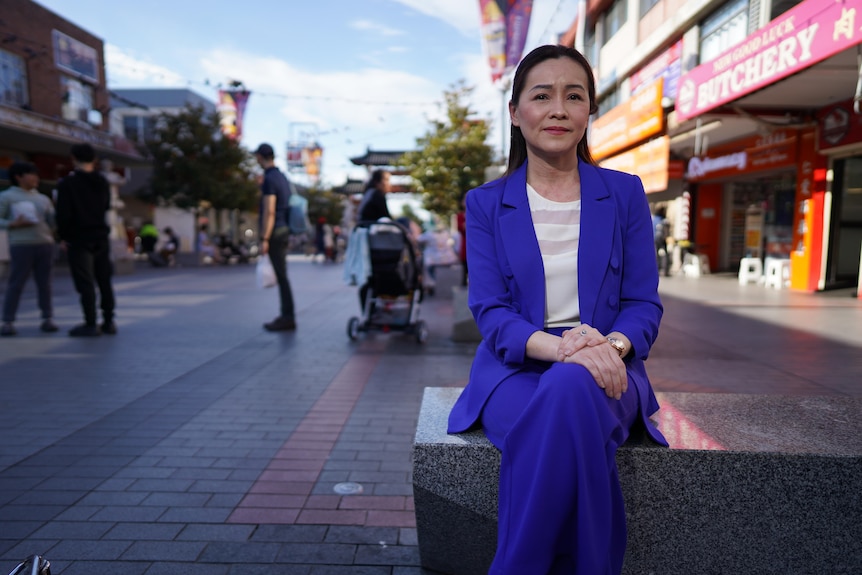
[[563, 287]]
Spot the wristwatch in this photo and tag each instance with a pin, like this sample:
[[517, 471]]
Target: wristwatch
[[618, 345]]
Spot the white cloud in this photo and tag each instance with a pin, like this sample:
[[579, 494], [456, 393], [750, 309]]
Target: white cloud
[[129, 70], [369, 26], [332, 99], [462, 15]]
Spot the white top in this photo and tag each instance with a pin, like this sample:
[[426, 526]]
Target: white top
[[558, 229]]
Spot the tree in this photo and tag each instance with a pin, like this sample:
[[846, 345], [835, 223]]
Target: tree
[[193, 165], [326, 204], [452, 157]]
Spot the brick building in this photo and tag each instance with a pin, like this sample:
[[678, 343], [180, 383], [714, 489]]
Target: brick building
[[53, 93]]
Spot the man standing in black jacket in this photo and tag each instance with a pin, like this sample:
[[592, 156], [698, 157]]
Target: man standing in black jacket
[[83, 200]]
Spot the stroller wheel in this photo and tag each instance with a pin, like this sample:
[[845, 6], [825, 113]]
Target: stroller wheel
[[421, 331], [353, 328]]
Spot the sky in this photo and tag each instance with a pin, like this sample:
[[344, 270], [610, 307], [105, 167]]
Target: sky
[[350, 74]]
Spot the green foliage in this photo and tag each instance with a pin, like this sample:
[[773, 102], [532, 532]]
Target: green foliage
[[451, 157], [194, 165], [325, 203]]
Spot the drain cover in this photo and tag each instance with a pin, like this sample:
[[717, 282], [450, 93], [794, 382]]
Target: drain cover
[[348, 488]]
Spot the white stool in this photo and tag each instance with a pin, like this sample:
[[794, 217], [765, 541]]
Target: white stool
[[695, 265], [750, 270], [777, 272]]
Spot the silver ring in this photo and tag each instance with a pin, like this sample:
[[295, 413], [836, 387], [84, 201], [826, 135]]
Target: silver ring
[[583, 332]]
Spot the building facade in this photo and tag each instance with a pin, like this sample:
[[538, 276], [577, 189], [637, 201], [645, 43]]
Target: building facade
[[53, 93], [742, 119]]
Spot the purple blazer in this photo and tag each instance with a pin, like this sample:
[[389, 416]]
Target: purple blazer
[[617, 280]]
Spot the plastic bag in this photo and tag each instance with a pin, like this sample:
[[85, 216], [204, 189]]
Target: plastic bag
[[265, 274]]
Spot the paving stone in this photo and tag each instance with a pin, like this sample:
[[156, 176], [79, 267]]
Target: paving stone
[[227, 412]]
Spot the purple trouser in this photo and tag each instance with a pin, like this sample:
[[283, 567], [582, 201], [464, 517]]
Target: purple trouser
[[560, 504]]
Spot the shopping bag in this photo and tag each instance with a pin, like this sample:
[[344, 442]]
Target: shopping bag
[[265, 274]]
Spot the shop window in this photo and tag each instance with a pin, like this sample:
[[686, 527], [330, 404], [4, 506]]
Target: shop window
[[724, 28], [847, 241], [77, 99], [615, 17], [591, 49], [609, 102], [149, 127], [646, 6], [13, 80], [779, 7], [139, 128], [131, 128]]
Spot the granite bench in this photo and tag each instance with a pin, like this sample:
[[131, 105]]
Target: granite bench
[[752, 484]]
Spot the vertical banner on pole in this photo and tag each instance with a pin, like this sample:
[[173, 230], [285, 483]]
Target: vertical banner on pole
[[231, 108], [518, 14], [493, 16]]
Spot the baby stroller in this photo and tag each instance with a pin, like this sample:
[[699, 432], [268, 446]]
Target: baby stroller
[[391, 296]]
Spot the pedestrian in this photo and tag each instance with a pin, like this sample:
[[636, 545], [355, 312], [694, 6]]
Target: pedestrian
[[206, 246], [373, 205], [461, 221], [28, 217], [324, 241], [565, 293], [171, 246], [660, 229], [274, 233], [83, 201], [438, 250], [149, 236]]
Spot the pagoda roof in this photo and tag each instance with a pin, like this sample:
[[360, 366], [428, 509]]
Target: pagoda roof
[[378, 158]]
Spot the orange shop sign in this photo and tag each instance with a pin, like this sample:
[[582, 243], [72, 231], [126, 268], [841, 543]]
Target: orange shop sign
[[746, 156], [649, 161], [633, 121]]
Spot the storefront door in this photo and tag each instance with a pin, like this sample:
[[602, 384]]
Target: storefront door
[[845, 238]]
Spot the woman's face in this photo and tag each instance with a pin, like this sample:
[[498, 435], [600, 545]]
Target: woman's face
[[384, 183], [554, 108]]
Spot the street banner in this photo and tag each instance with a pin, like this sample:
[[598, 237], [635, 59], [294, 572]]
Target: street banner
[[517, 26], [806, 34], [493, 14], [231, 108], [294, 156], [311, 157]]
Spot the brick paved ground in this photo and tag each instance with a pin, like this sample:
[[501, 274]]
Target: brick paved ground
[[195, 442]]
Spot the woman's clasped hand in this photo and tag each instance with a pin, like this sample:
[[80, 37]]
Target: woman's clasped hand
[[588, 347]]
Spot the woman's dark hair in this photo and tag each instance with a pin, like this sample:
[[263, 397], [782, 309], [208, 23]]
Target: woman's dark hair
[[518, 146], [18, 169], [375, 179]]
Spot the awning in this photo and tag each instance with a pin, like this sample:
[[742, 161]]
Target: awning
[[37, 134]]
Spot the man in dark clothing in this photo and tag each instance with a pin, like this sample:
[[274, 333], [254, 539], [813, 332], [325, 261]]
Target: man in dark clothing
[[274, 232], [83, 200], [660, 232]]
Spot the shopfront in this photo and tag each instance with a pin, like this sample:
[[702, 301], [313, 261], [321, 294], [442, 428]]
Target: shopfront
[[631, 138], [778, 190], [746, 194]]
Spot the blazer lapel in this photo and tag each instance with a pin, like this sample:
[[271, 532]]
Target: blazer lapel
[[522, 247], [597, 236]]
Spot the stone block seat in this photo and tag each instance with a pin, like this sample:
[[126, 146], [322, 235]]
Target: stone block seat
[[752, 484]]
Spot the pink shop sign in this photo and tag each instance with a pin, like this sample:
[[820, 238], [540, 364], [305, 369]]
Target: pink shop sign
[[801, 37]]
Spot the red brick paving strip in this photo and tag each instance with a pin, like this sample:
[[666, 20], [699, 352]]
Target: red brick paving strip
[[282, 493]]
